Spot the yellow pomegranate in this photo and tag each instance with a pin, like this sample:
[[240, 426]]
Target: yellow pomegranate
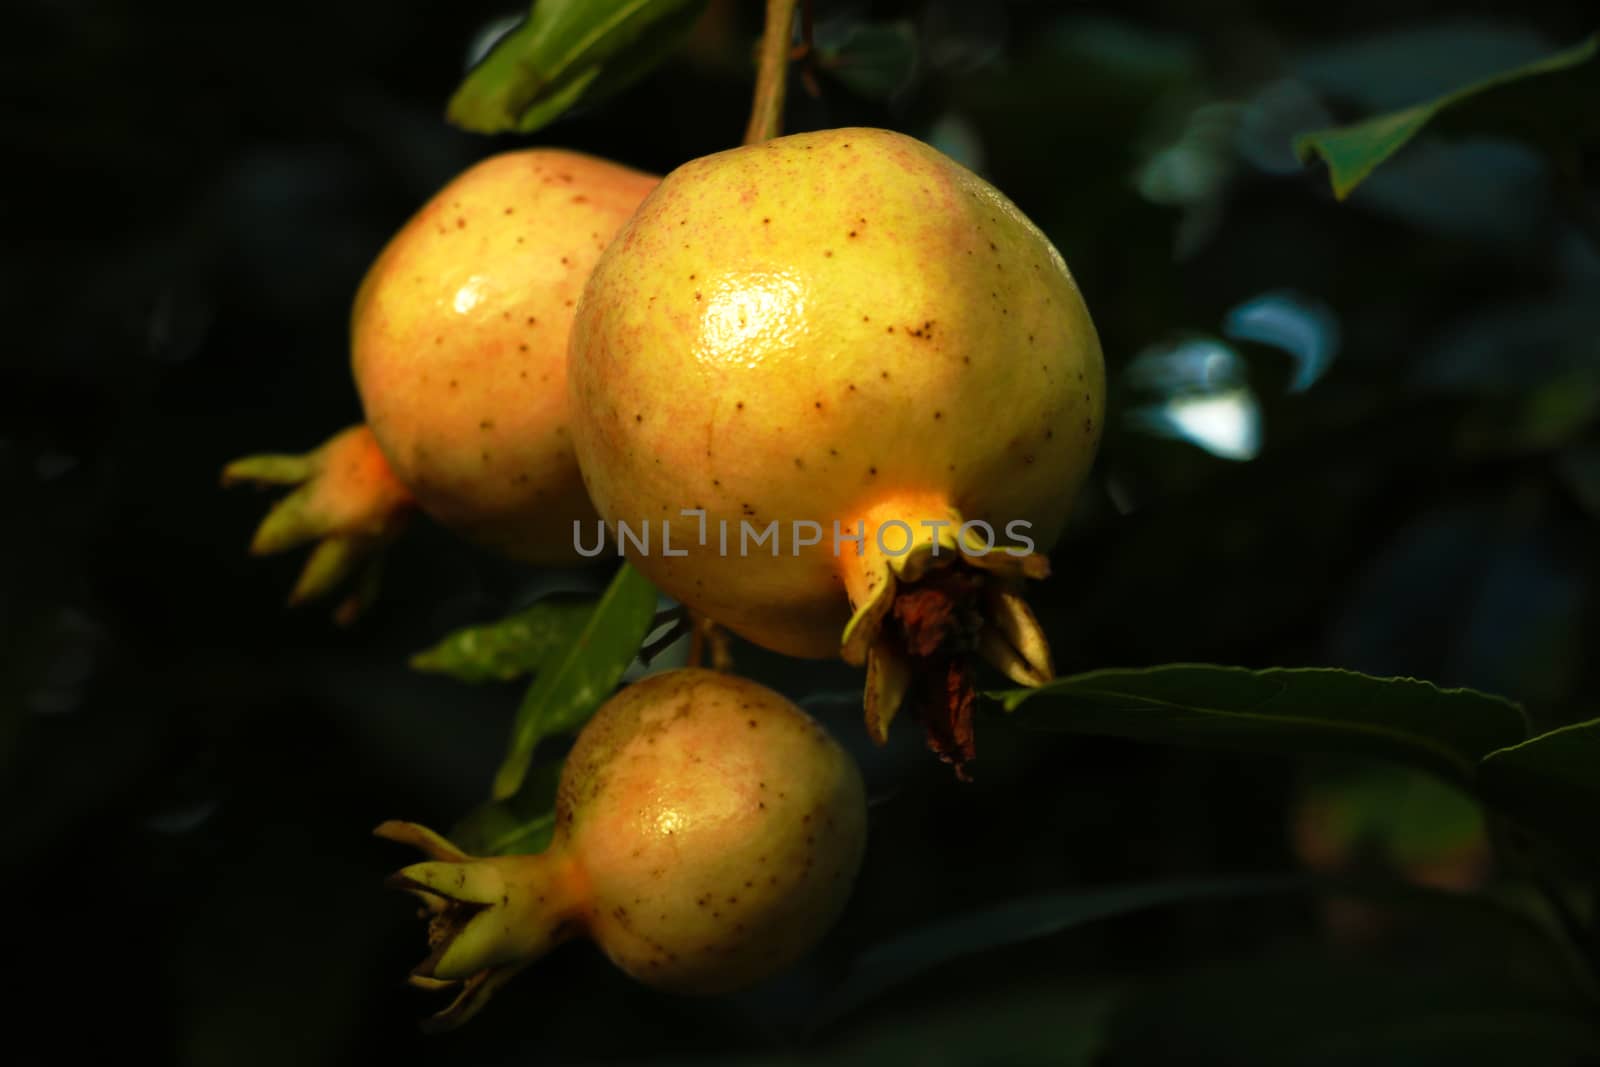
[[458, 340], [707, 835], [847, 334]]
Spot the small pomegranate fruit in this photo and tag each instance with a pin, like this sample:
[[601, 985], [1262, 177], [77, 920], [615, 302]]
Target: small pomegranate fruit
[[849, 335], [707, 834], [458, 344]]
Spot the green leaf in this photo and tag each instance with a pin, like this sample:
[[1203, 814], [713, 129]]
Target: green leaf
[[1281, 710], [1518, 101], [1550, 784], [1413, 818], [523, 822], [580, 673], [1299, 1006], [511, 647], [895, 961], [568, 51], [874, 60]]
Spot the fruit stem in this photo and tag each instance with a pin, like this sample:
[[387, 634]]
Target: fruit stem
[[772, 74]]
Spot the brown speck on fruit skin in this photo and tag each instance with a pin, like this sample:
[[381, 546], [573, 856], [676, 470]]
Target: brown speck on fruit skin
[[461, 224]]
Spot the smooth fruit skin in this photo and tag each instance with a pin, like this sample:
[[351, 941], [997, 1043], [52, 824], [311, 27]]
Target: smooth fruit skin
[[708, 833], [459, 340], [719, 826], [835, 326]]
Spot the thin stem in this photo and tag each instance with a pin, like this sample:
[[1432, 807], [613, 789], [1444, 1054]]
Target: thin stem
[[772, 75]]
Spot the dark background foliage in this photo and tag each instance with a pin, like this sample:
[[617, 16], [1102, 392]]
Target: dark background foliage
[[191, 773]]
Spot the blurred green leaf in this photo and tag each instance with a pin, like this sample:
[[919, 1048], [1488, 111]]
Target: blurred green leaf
[[522, 822], [568, 51], [1290, 711], [1514, 101], [1580, 469], [901, 958], [877, 60], [1551, 785], [580, 673], [1412, 818], [511, 647], [1306, 1009], [1034, 1019], [1544, 417]]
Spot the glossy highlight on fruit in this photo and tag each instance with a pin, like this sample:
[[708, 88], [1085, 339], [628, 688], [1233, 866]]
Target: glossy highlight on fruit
[[843, 326], [707, 835], [458, 344]]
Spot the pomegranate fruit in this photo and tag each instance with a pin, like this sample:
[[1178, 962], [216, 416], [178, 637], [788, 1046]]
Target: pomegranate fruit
[[458, 340], [849, 334], [707, 834]]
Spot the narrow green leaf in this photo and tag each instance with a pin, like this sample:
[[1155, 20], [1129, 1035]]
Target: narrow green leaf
[[579, 674], [568, 51], [523, 822], [1550, 784], [1292, 711], [1504, 103], [901, 958], [1482, 921], [510, 647]]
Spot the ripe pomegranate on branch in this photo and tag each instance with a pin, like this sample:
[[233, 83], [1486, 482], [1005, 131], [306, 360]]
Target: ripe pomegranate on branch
[[458, 342], [847, 330], [707, 834]]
